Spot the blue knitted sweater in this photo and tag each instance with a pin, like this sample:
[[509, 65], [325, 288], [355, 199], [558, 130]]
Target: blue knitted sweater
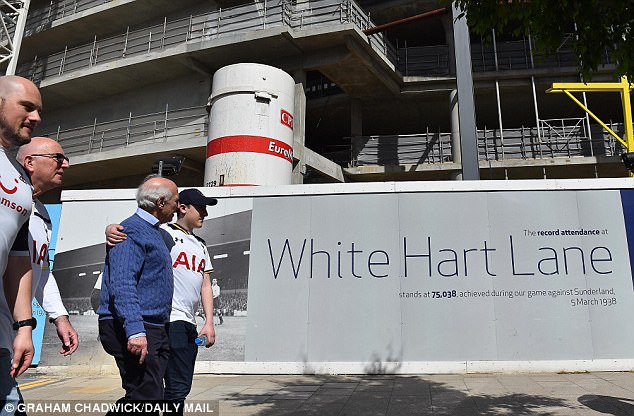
[[138, 282]]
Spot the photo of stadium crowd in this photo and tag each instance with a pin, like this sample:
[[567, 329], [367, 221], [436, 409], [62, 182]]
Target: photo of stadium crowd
[[228, 241]]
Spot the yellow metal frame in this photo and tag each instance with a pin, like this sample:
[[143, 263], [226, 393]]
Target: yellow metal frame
[[623, 87]]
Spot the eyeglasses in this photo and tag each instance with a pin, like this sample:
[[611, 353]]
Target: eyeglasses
[[59, 157]]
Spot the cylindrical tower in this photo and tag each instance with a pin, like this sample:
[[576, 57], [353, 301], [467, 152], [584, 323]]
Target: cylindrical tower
[[250, 126]]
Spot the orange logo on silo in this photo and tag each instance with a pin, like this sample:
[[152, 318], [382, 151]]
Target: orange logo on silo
[[287, 119]]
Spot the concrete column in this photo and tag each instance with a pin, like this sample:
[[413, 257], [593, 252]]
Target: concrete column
[[456, 155], [299, 128], [300, 77], [455, 133], [356, 118], [466, 104], [356, 127]]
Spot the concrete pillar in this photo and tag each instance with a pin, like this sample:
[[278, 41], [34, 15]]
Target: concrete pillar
[[356, 118], [299, 128], [300, 77], [356, 127], [456, 155], [466, 103], [455, 133]]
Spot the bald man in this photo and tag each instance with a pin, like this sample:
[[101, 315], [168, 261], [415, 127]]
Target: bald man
[[136, 294], [44, 161], [20, 108]]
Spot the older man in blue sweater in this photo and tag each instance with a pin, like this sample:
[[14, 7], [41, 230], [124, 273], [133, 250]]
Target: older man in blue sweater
[[136, 294]]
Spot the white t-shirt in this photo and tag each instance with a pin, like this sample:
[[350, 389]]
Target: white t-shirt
[[190, 262], [45, 288], [16, 199]]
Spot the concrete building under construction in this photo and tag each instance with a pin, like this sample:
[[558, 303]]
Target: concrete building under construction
[[125, 83]]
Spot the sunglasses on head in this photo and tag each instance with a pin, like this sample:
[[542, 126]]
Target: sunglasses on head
[[57, 156]]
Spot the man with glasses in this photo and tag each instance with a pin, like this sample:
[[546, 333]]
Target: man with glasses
[[20, 108], [44, 161], [60, 158]]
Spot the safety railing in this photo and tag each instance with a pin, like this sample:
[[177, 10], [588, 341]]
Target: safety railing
[[426, 148], [557, 138], [410, 61], [423, 60], [41, 18], [197, 28], [168, 125], [302, 15], [563, 135], [511, 55]]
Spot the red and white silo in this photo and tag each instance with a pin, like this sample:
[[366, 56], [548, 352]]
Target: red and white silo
[[250, 126]]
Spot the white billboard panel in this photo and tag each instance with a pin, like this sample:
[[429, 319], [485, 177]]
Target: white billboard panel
[[490, 276]]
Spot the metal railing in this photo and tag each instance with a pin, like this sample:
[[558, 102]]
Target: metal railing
[[426, 148], [423, 60], [564, 135], [198, 28], [178, 124], [511, 55], [558, 138], [298, 15], [42, 17]]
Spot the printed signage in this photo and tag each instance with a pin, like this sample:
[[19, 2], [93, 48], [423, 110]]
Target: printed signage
[[357, 278]]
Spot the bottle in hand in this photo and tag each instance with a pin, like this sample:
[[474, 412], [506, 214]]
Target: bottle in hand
[[201, 341]]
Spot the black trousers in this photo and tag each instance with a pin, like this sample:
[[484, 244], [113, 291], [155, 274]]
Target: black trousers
[[180, 367], [141, 382]]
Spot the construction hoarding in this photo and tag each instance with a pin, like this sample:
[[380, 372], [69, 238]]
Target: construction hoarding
[[400, 277]]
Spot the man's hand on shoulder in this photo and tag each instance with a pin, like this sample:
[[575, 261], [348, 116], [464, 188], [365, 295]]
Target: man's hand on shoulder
[[115, 234]]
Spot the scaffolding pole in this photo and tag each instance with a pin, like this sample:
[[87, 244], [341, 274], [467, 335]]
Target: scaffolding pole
[[13, 15]]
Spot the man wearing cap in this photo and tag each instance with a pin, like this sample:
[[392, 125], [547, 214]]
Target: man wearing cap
[[191, 267]]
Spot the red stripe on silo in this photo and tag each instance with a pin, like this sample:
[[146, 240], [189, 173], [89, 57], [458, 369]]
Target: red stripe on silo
[[251, 144]]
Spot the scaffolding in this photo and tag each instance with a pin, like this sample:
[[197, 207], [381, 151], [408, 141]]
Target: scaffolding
[[623, 87], [13, 14]]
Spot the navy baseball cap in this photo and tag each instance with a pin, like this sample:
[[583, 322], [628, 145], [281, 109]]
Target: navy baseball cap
[[195, 197]]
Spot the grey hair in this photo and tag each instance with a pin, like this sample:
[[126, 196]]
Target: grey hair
[[148, 196]]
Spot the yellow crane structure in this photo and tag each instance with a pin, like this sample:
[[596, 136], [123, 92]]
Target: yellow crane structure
[[624, 87]]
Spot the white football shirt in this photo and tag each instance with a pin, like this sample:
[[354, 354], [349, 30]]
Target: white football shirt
[[190, 262]]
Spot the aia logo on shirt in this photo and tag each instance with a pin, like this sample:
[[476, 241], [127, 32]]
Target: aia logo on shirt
[[189, 263], [40, 255]]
